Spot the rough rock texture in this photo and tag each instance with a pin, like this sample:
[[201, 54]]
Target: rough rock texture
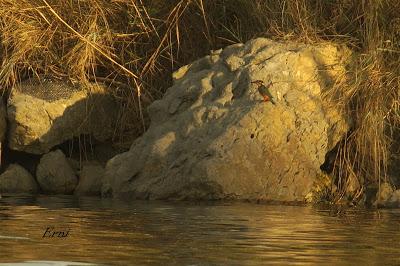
[[90, 179], [44, 114], [212, 136], [384, 193], [394, 200], [75, 164], [18, 180], [387, 197], [55, 175]]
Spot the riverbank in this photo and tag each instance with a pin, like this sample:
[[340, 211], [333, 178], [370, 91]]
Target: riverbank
[[57, 43]]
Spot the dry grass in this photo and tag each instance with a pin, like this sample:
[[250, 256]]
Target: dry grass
[[135, 45], [116, 42]]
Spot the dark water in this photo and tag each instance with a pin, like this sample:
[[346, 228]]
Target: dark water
[[111, 232]]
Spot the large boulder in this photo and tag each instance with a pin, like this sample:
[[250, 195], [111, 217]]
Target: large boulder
[[44, 113], [18, 180], [55, 175], [212, 136]]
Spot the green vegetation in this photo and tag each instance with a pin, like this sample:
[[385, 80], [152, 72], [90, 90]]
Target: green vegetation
[[135, 45]]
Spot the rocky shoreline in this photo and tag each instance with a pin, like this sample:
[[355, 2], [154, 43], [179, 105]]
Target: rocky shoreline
[[211, 137], [40, 122]]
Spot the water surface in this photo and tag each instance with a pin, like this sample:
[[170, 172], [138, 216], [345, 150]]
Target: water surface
[[104, 231]]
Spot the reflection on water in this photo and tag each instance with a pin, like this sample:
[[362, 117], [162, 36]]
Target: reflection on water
[[113, 232]]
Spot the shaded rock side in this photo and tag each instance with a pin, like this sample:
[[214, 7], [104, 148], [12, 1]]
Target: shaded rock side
[[394, 200], [55, 175], [212, 136], [387, 197], [44, 114], [18, 180], [90, 179]]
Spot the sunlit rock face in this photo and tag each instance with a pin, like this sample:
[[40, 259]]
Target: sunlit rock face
[[213, 137], [45, 113]]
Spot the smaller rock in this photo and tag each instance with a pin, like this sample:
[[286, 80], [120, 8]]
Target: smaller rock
[[28, 161], [17, 179], [383, 195], [55, 175], [90, 179], [394, 200], [385, 191], [75, 164]]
